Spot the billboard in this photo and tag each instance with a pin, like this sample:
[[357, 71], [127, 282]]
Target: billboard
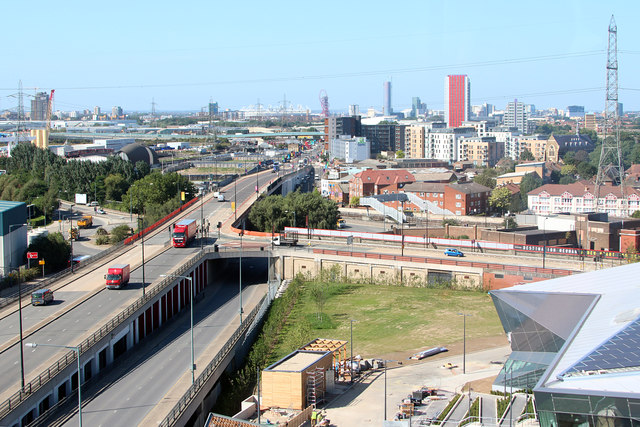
[[81, 199]]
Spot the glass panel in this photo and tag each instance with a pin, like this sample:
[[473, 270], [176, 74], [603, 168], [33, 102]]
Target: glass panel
[[572, 404]]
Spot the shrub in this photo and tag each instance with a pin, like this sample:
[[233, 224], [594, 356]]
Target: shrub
[[101, 232], [102, 240]]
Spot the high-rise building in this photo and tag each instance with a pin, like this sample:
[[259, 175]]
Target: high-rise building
[[387, 111], [516, 116], [213, 109], [336, 126], [575, 111], [354, 110], [590, 121], [96, 111], [116, 111], [382, 137], [457, 99], [417, 107], [39, 106]]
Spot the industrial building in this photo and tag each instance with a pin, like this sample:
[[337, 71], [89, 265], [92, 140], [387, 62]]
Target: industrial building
[[13, 223], [575, 341]]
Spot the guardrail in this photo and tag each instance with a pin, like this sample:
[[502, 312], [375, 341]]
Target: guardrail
[[34, 385], [195, 388]]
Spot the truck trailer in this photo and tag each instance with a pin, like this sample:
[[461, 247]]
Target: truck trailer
[[286, 239], [118, 276], [183, 233]]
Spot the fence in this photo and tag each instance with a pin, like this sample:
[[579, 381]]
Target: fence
[[44, 377], [212, 367]]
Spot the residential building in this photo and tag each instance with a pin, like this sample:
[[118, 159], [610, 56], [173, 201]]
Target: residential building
[[590, 121], [466, 198], [536, 145], [419, 163], [481, 126], [443, 144], [386, 109], [343, 125], [40, 106], [414, 141], [481, 150], [457, 100], [511, 178], [509, 138], [116, 112], [350, 149], [383, 137], [418, 108], [516, 116], [579, 197], [559, 145], [374, 182], [354, 110]]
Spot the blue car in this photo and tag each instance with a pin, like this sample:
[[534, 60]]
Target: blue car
[[453, 252]]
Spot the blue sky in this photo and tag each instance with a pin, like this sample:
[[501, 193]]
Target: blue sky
[[182, 54]]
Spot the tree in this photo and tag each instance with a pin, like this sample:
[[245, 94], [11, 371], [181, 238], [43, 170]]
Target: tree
[[500, 198], [450, 221], [486, 178], [529, 182], [636, 214], [399, 154], [54, 249], [568, 170], [509, 223], [115, 186], [526, 155], [354, 201]]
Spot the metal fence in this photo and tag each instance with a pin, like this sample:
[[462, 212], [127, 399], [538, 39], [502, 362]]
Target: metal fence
[[34, 385], [211, 368]]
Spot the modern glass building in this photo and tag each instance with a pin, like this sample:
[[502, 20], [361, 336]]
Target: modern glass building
[[576, 343]]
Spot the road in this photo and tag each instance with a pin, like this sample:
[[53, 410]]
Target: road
[[140, 385], [59, 324]]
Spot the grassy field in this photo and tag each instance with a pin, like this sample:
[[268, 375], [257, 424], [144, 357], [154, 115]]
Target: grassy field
[[390, 319]]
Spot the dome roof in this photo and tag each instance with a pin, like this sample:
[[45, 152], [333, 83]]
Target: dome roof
[[137, 152]]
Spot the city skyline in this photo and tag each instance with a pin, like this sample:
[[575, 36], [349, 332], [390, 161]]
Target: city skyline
[[546, 54]]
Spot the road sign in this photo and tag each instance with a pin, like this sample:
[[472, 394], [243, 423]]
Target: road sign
[[32, 255], [41, 262]]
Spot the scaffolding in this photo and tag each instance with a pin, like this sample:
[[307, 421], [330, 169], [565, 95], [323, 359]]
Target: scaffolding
[[315, 387]]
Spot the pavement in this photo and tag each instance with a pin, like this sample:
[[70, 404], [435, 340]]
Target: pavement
[[363, 404]]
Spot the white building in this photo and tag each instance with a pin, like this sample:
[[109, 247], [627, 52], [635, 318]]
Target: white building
[[580, 198], [350, 149], [511, 141], [443, 144], [516, 116]]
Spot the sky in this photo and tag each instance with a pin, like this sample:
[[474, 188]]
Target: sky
[[181, 55]]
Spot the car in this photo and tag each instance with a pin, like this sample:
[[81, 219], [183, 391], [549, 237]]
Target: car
[[453, 252], [94, 203], [100, 211]]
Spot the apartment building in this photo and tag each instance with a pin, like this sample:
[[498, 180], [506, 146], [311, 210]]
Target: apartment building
[[374, 182], [443, 144], [510, 139], [481, 150], [579, 197], [536, 145]]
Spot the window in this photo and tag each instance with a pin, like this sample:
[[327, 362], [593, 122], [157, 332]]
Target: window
[[440, 203], [458, 204], [458, 196]]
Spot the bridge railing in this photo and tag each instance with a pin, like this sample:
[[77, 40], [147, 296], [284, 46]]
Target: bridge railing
[[43, 378], [212, 367]]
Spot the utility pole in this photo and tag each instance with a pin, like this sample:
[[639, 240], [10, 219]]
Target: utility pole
[[610, 164]]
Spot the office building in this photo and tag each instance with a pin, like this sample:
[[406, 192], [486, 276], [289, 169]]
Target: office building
[[574, 342], [350, 149], [354, 110], [517, 117], [417, 107], [40, 106], [386, 110], [213, 109], [343, 125], [116, 112], [575, 111], [96, 111], [457, 100], [382, 137]]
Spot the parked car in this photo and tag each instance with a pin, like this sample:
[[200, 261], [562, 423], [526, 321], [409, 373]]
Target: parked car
[[453, 252]]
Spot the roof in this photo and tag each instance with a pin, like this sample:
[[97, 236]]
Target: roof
[[469, 187], [424, 187], [297, 361], [600, 325], [513, 188], [385, 176], [138, 152], [573, 141], [581, 189], [6, 205], [437, 176], [515, 174]]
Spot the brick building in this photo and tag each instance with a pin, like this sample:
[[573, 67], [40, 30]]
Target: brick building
[[374, 182]]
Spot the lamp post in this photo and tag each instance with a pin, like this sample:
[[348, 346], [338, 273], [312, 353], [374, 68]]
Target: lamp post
[[19, 304], [235, 199], [464, 341], [190, 279], [240, 275], [351, 342], [77, 350], [71, 233], [385, 387], [141, 226]]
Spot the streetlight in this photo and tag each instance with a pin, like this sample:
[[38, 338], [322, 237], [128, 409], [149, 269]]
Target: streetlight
[[385, 387], [141, 227], [19, 304], [240, 274], [193, 365], [351, 342], [71, 233], [77, 350], [464, 341]]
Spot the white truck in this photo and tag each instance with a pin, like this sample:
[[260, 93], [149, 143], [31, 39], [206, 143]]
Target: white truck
[[286, 239], [218, 195]]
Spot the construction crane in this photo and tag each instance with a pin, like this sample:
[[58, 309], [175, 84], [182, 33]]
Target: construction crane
[[49, 108]]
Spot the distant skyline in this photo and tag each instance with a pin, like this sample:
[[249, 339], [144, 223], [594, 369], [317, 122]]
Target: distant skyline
[[550, 54]]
